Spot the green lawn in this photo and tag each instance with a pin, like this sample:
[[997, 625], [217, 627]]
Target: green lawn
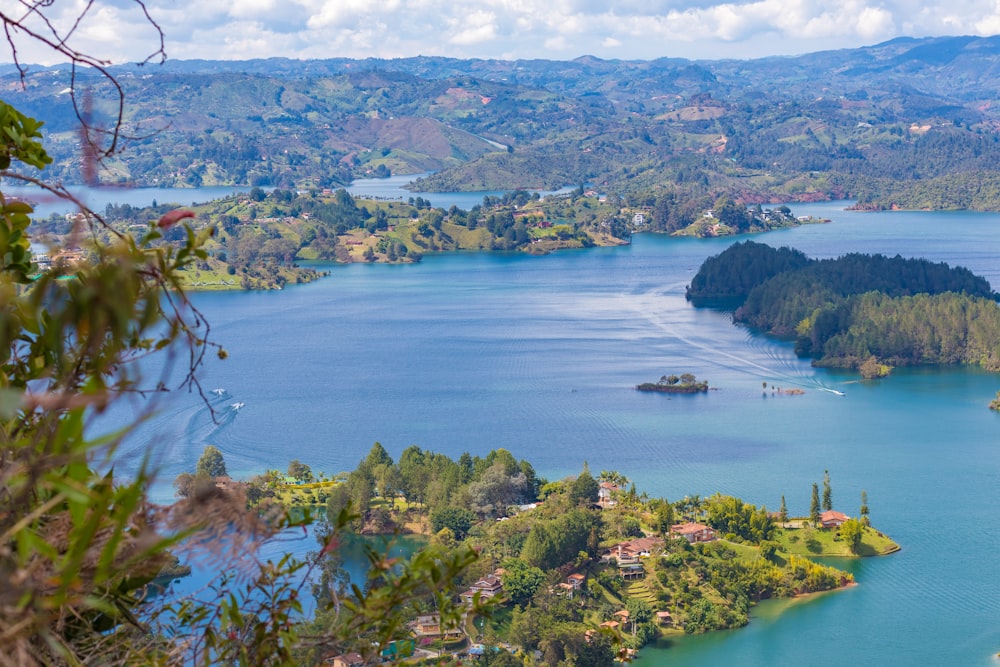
[[823, 542]]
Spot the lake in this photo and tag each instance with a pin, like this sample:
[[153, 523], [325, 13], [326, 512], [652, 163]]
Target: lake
[[539, 355]]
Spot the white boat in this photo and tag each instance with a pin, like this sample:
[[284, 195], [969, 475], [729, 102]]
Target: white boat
[[237, 406]]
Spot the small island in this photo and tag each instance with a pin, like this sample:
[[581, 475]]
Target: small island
[[672, 384]]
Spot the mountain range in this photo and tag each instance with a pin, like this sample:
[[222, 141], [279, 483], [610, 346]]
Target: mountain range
[[907, 123]]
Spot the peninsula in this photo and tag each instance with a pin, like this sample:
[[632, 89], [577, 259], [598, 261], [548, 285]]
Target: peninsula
[[866, 312], [576, 560], [264, 239]]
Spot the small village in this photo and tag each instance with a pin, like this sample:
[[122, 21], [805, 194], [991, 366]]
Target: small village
[[633, 569]]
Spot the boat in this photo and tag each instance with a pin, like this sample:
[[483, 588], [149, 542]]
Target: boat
[[237, 405]]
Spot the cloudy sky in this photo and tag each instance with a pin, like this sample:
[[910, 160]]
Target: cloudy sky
[[554, 29]]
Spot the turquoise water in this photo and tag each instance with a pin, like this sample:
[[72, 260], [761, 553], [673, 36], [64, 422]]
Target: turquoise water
[[469, 352]]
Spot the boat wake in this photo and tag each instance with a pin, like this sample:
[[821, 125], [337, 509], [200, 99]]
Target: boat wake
[[772, 366]]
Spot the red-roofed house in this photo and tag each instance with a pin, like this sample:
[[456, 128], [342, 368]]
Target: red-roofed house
[[347, 660], [633, 550], [693, 532], [832, 519], [487, 587]]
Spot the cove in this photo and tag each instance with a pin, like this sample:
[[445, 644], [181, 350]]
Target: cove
[[540, 355]]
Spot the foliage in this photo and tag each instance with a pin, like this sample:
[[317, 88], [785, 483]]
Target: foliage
[[736, 271], [851, 531], [814, 505], [300, 471], [557, 541], [457, 519], [871, 369], [827, 492], [211, 463], [730, 515], [521, 581], [848, 310], [585, 488]]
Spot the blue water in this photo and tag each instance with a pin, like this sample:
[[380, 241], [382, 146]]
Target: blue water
[[469, 352]]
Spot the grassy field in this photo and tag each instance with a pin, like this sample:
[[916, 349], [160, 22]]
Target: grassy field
[[824, 542]]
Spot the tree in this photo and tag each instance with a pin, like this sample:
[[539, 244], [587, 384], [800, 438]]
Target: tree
[[768, 548], [639, 612], [872, 369], [598, 652], [521, 581], [496, 490], [814, 505], [783, 512], [211, 463], [300, 471], [184, 484], [585, 488], [827, 493], [851, 531], [378, 456], [864, 508], [664, 517], [458, 519]]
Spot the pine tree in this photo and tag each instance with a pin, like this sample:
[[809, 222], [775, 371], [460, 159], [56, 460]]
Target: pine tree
[[864, 508], [827, 493], [814, 505], [783, 512], [211, 463]]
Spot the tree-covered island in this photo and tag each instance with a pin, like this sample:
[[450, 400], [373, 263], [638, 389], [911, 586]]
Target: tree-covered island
[[580, 569], [686, 383], [867, 312]]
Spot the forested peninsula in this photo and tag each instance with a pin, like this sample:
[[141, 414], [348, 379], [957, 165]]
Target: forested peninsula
[[573, 567], [263, 239], [858, 310]]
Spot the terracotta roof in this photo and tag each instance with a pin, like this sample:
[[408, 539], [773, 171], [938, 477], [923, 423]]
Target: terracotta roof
[[688, 528], [833, 515]]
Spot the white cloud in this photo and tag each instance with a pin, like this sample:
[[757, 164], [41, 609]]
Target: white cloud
[[475, 28], [115, 29]]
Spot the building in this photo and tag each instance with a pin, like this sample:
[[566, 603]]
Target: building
[[832, 519], [347, 660], [487, 587], [693, 532], [428, 625], [605, 494], [630, 552]]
